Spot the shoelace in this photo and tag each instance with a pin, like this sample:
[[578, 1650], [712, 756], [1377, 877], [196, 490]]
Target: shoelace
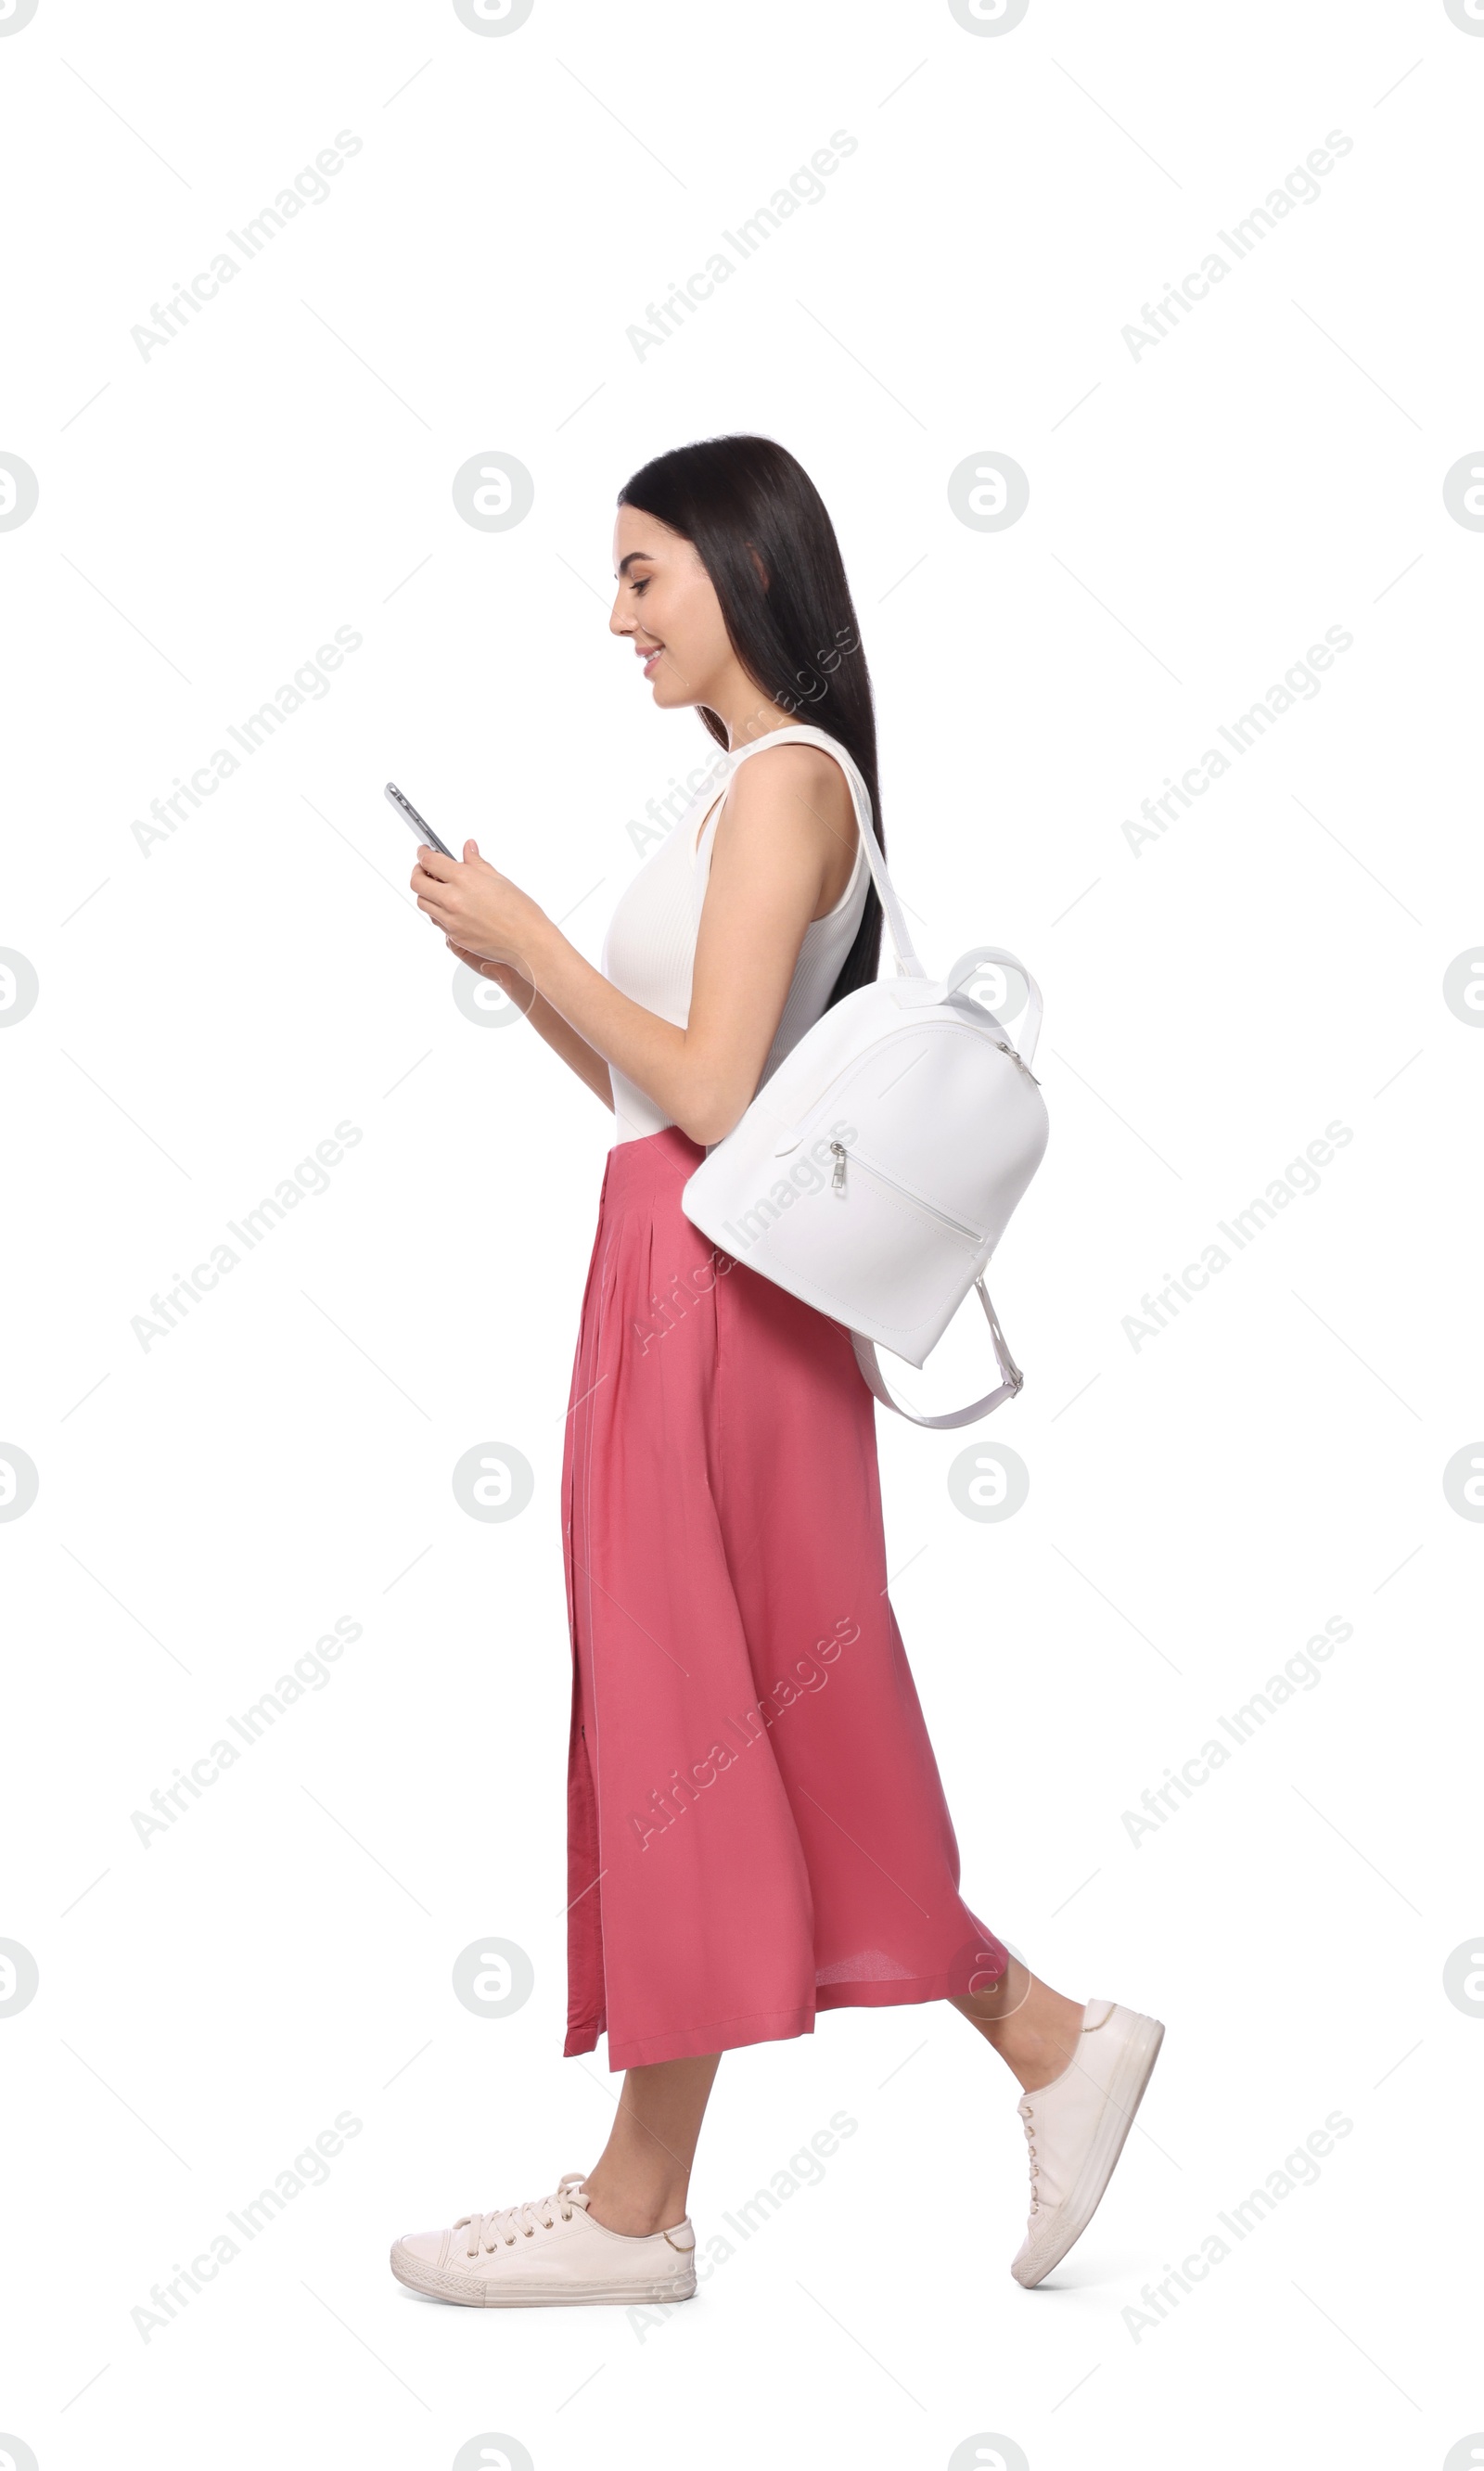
[[1029, 2119], [510, 2223]]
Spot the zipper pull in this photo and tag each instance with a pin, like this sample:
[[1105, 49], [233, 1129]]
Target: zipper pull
[[1005, 1049], [837, 1179]]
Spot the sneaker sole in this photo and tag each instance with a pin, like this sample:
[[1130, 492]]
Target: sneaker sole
[[1122, 2100], [467, 2293]]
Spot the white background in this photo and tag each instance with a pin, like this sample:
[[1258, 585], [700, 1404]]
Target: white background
[[1199, 1505]]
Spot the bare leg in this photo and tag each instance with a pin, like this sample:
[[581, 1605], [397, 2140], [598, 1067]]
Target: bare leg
[[1032, 2027], [640, 2181]]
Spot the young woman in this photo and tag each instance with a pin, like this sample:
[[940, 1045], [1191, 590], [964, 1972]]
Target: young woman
[[755, 1826]]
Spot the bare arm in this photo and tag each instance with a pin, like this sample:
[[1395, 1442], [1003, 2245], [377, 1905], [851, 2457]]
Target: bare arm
[[777, 847]]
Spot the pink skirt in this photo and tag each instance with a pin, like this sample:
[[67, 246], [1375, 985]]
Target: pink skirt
[[756, 1824]]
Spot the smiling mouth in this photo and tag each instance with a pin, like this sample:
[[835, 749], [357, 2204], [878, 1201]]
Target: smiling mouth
[[651, 659]]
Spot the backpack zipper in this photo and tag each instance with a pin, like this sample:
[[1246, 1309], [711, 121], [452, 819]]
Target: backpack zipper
[[1005, 1049], [837, 1184]]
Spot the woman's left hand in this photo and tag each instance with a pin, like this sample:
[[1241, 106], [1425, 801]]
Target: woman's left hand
[[474, 905]]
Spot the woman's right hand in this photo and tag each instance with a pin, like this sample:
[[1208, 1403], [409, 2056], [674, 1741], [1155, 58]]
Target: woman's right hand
[[519, 989]]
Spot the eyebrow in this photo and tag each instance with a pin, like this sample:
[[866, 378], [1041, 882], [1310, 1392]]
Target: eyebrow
[[625, 563]]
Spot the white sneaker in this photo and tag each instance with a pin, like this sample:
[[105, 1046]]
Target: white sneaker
[[1076, 2126], [548, 2253]]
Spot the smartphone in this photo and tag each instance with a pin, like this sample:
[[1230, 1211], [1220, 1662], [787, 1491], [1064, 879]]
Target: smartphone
[[409, 815]]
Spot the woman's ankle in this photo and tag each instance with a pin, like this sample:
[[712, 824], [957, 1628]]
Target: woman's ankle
[[1032, 2027], [1036, 2057], [634, 2207]]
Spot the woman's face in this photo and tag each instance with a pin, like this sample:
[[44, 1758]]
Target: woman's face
[[667, 605]]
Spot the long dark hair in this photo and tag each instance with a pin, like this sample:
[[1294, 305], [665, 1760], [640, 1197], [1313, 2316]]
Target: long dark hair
[[796, 633]]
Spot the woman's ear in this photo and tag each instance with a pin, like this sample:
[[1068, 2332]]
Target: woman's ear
[[752, 551]]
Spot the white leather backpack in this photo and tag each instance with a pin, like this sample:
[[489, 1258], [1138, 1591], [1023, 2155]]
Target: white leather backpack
[[874, 1173]]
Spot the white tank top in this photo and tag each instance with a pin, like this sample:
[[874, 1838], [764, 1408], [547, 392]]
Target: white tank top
[[649, 949]]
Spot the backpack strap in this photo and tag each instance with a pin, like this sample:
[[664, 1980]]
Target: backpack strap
[[908, 965], [870, 1367], [968, 966], [803, 734]]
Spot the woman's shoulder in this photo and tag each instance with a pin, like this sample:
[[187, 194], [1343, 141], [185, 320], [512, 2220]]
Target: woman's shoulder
[[789, 771], [787, 801]]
